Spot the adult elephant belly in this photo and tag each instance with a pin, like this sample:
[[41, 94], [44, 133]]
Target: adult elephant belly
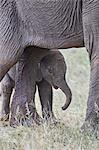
[[52, 24], [47, 24]]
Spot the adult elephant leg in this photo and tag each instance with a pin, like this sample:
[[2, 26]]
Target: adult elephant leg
[[7, 86], [46, 99], [91, 35], [22, 102], [9, 54]]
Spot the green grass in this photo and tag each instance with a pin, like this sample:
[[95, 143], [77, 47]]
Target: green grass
[[66, 134]]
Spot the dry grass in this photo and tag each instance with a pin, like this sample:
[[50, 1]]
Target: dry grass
[[66, 134]]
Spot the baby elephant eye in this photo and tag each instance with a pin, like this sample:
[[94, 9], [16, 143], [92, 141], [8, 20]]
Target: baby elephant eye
[[50, 70]]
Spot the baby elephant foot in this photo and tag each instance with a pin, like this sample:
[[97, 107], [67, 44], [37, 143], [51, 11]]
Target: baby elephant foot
[[49, 118], [36, 118]]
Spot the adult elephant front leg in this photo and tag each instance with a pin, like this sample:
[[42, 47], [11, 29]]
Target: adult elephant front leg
[[24, 91], [46, 99], [91, 35]]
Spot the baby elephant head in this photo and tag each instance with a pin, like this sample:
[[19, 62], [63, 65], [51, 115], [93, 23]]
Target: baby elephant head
[[53, 69]]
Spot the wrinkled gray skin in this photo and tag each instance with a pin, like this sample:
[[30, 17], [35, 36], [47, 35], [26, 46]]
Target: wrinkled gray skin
[[50, 72], [7, 86], [58, 25], [28, 75], [91, 36]]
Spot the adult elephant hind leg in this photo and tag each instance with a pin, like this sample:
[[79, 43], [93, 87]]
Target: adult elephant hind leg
[[7, 86], [8, 57], [91, 37], [46, 99]]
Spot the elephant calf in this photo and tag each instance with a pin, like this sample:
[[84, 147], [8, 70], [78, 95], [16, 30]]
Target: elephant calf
[[7, 86], [50, 71]]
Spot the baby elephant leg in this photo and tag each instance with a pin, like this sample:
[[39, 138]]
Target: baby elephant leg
[[32, 108], [46, 99], [7, 85]]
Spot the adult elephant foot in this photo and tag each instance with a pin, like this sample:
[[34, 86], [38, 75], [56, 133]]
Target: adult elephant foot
[[23, 117], [36, 118], [4, 117], [18, 111], [91, 39], [25, 120], [91, 124]]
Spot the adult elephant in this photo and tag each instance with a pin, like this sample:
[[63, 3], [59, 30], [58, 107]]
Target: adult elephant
[[90, 17], [51, 24]]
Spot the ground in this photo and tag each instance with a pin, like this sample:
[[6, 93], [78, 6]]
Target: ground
[[65, 135]]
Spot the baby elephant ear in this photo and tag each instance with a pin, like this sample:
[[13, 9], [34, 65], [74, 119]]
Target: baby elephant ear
[[39, 74], [45, 65], [44, 62], [42, 67]]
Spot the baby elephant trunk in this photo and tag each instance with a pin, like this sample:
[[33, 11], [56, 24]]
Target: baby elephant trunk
[[66, 90]]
